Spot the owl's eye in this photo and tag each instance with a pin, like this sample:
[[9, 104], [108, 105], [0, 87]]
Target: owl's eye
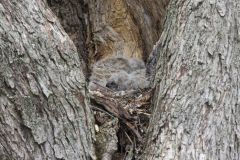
[[112, 85]]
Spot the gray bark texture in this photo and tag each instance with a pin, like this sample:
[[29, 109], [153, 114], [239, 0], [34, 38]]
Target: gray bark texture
[[44, 111], [44, 107], [196, 103], [73, 16]]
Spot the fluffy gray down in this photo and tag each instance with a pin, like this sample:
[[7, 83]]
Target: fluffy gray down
[[120, 74]]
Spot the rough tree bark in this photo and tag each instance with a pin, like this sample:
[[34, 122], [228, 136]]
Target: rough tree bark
[[44, 111], [73, 16], [44, 108], [196, 104]]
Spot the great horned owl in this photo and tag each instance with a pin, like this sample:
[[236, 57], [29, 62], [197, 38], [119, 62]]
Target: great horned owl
[[119, 74]]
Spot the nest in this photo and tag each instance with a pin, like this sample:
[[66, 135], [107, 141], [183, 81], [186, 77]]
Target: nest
[[122, 119]]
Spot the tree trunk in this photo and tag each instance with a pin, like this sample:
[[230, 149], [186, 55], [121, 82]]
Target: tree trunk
[[124, 27], [44, 111], [73, 16], [196, 103], [44, 107]]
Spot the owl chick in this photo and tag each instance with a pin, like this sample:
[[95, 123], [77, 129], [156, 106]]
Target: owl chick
[[119, 74]]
